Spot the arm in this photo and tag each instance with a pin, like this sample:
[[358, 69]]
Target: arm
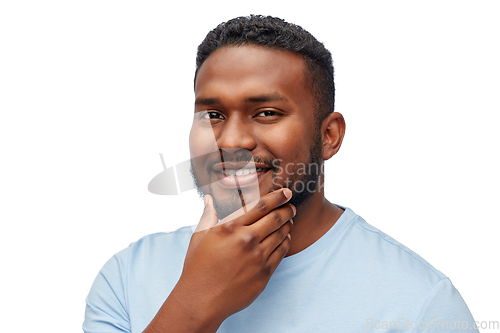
[[227, 266]]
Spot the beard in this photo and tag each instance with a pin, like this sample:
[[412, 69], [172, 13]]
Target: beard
[[302, 185]]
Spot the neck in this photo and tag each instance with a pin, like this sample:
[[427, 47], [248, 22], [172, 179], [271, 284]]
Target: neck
[[313, 219]]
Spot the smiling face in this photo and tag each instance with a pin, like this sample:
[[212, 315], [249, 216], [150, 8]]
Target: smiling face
[[254, 102]]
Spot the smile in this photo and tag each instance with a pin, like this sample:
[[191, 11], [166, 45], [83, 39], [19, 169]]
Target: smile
[[242, 172], [237, 175]]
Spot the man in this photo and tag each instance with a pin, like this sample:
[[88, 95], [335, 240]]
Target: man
[[276, 257]]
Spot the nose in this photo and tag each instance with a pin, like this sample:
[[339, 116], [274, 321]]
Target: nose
[[235, 134]]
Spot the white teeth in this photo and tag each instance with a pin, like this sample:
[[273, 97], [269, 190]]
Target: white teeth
[[241, 172]]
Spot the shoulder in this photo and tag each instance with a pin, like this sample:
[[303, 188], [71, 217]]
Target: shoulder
[[133, 279], [153, 247], [147, 256], [177, 238], [388, 272], [384, 258]]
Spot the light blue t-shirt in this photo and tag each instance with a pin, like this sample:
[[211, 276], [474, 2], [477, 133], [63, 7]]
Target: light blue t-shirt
[[353, 279]]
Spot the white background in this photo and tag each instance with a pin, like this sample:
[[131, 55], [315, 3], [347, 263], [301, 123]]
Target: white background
[[92, 91]]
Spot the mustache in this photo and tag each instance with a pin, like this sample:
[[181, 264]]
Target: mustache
[[243, 157]]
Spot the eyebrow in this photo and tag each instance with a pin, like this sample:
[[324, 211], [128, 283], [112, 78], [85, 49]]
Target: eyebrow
[[252, 99], [266, 98], [206, 101]]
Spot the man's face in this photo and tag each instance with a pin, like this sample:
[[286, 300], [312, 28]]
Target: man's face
[[254, 102]]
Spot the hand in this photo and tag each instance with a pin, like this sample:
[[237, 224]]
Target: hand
[[229, 264]]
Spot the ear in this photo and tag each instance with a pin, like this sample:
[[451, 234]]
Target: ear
[[333, 130]]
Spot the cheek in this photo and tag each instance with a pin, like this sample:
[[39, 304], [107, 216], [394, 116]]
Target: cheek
[[201, 140], [288, 142], [201, 143]]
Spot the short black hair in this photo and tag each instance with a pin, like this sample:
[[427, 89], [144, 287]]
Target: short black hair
[[276, 33]]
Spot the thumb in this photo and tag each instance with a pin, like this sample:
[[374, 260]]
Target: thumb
[[209, 218]]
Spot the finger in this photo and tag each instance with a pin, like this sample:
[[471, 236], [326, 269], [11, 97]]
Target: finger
[[264, 205], [271, 242], [279, 253], [272, 221], [209, 218]]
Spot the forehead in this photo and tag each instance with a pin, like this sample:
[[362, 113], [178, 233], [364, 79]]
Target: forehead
[[250, 69]]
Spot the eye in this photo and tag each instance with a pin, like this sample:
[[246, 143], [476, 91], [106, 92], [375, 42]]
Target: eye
[[268, 113], [210, 115]]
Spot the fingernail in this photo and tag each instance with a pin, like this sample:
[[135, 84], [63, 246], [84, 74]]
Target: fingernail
[[205, 200], [294, 210], [287, 193], [291, 221], [289, 236]]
